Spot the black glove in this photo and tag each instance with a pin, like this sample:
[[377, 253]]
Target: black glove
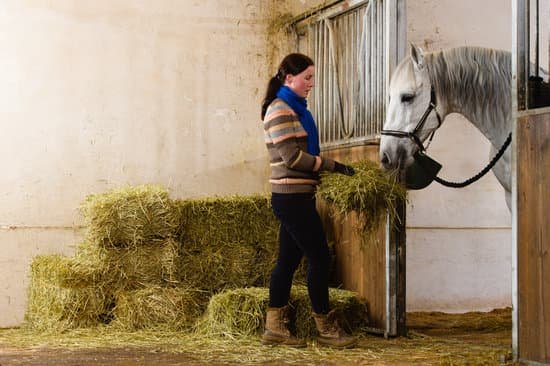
[[343, 169]]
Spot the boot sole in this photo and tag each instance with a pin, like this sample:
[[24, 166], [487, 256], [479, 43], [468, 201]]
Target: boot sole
[[280, 342], [338, 346]]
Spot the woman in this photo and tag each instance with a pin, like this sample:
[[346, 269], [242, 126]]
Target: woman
[[293, 146]]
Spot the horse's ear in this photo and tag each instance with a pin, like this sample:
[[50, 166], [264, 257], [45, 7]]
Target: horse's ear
[[417, 56]]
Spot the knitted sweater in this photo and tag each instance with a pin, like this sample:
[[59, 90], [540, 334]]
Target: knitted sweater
[[293, 170]]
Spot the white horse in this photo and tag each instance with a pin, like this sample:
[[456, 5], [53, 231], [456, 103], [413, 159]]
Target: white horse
[[472, 81]]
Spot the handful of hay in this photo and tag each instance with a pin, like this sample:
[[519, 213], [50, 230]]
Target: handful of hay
[[371, 193]]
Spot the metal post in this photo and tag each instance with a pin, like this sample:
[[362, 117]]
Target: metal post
[[394, 50]]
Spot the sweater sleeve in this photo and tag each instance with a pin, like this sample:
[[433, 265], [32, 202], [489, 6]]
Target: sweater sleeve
[[285, 132]]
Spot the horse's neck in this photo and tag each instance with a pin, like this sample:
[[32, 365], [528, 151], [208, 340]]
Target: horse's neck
[[478, 95]]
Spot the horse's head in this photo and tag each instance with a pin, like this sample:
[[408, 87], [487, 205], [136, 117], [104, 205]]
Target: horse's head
[[409, 117]]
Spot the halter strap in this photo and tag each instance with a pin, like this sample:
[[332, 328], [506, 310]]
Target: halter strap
[[413, 135]]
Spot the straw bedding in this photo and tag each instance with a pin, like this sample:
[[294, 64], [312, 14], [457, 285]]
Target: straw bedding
[[150, 262]]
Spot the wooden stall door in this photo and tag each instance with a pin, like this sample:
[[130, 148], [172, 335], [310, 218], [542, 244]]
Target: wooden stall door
[[533, 244], [363, 266]]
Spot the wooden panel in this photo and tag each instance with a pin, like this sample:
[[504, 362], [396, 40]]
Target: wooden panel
[[361, 267], [533, 244]]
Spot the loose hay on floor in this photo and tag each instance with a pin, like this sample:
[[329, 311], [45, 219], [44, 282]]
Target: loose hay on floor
[[129, 217], [371, 193], [450, 346], [241, 312]]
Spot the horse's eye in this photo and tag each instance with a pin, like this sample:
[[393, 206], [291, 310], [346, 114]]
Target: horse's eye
[[407, 98]]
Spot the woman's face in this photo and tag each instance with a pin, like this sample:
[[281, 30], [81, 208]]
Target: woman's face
[[302, 83]]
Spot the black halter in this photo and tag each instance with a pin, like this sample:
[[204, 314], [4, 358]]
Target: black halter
[[414, 134]]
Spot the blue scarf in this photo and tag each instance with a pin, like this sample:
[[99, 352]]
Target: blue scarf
[[299, 105]]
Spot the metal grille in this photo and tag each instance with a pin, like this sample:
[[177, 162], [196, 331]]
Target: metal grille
[[348, 102]]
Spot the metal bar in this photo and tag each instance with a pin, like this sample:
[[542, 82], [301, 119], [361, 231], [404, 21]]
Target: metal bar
[[371, 67], [537, 25], [518, 103], [330, 10]]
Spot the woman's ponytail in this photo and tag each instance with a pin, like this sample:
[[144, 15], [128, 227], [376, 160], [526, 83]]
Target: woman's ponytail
[[271, 93]]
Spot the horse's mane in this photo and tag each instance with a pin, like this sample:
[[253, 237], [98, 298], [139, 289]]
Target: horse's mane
[[473, 76]]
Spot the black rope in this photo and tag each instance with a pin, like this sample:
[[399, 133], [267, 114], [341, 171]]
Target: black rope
[[476, 177]]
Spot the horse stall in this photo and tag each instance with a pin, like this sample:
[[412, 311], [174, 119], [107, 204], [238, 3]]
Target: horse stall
[[365, 37], [531, 172]]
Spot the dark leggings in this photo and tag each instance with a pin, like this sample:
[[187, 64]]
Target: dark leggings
[[301, 234]]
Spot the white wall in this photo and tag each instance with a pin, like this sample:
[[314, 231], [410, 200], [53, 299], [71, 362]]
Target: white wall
[[459, 240], [98, 94]]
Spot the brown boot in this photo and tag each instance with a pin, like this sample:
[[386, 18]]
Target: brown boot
[[276, 329], [330, 332]]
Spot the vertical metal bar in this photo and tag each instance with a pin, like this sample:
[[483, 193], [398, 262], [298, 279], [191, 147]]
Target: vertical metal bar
[[393, 20], [537, 25], [328, 95], [519, 50], [361, 67], [319, 81], [382, 99], [379, 51], [371, 66]]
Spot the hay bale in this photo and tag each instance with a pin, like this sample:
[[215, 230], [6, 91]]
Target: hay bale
[[247, 220], [50, 307], [228, 242], [241, 312], [123, 268], [371, 193], [158, 308], [130, 217]]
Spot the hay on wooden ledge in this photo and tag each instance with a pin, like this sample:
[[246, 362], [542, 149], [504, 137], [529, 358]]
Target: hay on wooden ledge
[[241, 312], [129, 217], [50, 307], [371, 193], [158, 308]]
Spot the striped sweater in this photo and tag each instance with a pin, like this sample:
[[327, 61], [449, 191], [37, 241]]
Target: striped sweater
[[293, 170]]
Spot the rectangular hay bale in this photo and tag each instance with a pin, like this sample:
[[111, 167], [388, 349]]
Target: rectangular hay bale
[[52, 307], [227, 242], [124, 268], [158, 308], [130, 217]]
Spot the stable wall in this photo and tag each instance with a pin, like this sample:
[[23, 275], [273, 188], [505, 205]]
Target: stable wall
[[99, 94]]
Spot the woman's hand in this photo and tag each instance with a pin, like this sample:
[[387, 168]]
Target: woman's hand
[[343, 169]]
